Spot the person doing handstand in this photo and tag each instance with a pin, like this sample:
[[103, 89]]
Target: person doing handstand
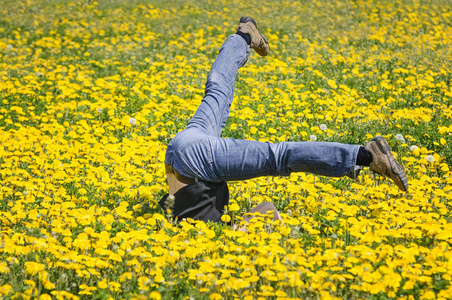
[[199, 162]]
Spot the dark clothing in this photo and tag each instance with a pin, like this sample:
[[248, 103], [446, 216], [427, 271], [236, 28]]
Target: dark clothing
[[201, 200]]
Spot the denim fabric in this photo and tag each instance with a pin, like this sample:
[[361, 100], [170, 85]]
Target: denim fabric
[[199, 152]]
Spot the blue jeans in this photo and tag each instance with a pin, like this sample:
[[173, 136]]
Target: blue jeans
[[199, 152]]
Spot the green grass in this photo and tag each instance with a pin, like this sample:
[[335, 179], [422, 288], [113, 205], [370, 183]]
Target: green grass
[[72, 74]]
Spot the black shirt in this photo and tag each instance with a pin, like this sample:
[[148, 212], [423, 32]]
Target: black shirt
[[201, 200]]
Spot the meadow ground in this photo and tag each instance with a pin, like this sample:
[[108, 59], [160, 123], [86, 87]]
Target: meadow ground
[[92, 92]]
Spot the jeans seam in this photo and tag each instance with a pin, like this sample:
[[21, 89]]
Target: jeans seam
[[226, 107], [355, 158], [169, 155], [189, 165], [354, 165]]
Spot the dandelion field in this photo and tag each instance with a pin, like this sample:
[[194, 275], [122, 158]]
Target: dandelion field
[[92, 92]]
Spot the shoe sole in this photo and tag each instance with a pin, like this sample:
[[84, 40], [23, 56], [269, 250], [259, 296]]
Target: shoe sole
[[247, 19], [396, 168], [260, 47]]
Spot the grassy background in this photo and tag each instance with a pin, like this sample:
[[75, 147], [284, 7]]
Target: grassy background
[[74, 172]]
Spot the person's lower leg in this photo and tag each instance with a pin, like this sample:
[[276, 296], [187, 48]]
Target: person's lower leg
[[212, 114], [321, 158], [235, 159]]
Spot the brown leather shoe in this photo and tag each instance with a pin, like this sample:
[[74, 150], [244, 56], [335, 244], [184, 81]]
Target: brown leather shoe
[[259, 43], [384, 163]]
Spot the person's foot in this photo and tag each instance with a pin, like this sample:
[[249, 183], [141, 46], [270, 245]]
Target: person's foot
[[384, 163], [259, 43]]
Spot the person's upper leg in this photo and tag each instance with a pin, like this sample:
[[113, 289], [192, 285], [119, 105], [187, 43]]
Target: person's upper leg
[[189, 153], [196, 155], [215, 159]]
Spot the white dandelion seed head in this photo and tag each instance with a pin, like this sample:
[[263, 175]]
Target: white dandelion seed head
[[399, 137], [413, 148], [9, 47], [99, 110], [430, 158], [133, 121], [313, 137], [323, 127]]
